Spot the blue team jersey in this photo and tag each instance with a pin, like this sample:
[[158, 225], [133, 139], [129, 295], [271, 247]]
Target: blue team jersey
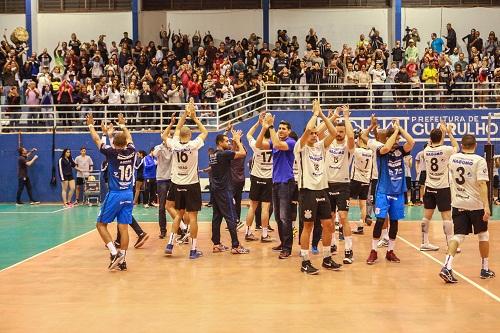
[[120, 167], [391, 178]]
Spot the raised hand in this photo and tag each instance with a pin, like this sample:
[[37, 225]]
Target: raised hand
[[262, 115], [236, 135], [121, 119], [345, 111], [172, 119], [373, 120], [104, 128], [268, 120], [90, 119]]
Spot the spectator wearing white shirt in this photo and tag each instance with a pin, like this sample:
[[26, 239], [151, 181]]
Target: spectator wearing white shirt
[[83, 165], [378, 80]]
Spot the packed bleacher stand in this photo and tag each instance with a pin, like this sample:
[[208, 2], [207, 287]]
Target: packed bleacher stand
[[77, 73]]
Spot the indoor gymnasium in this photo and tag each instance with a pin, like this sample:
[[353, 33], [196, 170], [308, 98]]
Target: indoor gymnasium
[[249, 165]]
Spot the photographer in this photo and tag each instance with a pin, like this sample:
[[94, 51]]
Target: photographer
[[411, 34]]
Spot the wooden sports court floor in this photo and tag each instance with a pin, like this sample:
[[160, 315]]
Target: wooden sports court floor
[[54, 278]]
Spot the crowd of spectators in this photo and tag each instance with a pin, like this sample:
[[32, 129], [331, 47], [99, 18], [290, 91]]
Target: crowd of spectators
[[181, 66]]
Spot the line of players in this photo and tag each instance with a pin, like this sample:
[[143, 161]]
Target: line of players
[[326, 181]]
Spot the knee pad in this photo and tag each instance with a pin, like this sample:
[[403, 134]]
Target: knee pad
[[458, 238], [377, 229], [448, 227], [393, 230], [483, 236], [425, 225]]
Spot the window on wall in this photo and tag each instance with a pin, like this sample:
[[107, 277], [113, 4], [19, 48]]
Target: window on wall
[[199, 4], [55, 6], [449, 3], [12, 6]]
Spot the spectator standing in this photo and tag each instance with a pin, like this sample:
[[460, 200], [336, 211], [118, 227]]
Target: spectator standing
[[83, 165], [451, 39], [23, 162], [66, 165], [150, 162], [436, 43]]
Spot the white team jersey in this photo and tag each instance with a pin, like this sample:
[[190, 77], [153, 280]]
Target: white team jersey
[[311, 166], [262, 161], [184, 160], [338, 159], [361, 168], [374, 145], [436, 161], [419, 163], [466, 170]]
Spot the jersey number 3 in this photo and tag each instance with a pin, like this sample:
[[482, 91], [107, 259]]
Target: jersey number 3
[[460, 179]]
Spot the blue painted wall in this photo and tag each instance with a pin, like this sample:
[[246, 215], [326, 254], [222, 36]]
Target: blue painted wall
[[418, 122]]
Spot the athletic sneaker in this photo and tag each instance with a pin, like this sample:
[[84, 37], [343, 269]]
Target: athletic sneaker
[[258, 228], [277, 248], [428, 247], [447, 275], [284, 254], [183, 238], [123, 266], [34, 202], [169, 249], [219, 248], [116, 260], [269, 228], [267, 239], [372, 258], [146, 206], [358, 231], [487, 274], [295, 231], [240, 225], [308, 268], [328, 263], [251, 238], [195, 254], [154, 204], [333, 249], [162, 235], [348, 257], [314, 250], [141, 240], [383, 242], [391, 256], [240, 250], [19, 203]]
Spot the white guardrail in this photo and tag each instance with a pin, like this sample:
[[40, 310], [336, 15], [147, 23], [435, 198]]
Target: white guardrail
[[216, 116]]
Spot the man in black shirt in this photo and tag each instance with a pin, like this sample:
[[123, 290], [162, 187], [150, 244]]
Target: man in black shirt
[[126, 40], [451, 39], [22, 174], [222, 191]]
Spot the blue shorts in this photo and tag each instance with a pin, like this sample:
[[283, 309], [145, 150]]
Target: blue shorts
[[394, 205], [117, 205]]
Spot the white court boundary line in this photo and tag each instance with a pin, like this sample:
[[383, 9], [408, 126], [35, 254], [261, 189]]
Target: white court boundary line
[[463, 277], [51, 212], [48, 250]]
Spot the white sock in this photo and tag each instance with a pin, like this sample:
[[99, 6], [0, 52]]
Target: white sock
[[264, 231], [448, 261], [183, 225], [348, 243], [425, 230], [334, 239], [247, 230], [484, 263], [392, 244], [193, 243], [171, 239], [304, 254], [359, 224], [123, 252], [374, 244], [112, 248], [385, 233], [327, 251]]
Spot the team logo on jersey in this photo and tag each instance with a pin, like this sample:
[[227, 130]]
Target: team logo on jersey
[[307, 213], [377, 211], [397, 153]]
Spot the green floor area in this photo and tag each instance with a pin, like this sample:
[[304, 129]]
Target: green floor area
[[28, 230]]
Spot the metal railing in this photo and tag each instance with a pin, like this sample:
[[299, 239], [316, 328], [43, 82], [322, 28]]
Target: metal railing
[[216, 116]]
